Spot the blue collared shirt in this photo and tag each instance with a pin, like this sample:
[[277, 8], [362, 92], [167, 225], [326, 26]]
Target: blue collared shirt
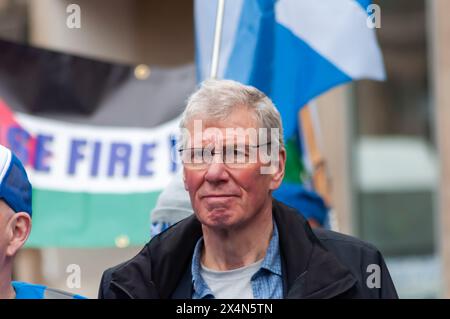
[[267, 282]]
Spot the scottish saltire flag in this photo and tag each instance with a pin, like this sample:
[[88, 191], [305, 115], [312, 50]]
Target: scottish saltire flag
[[293, 50], [98, 142]]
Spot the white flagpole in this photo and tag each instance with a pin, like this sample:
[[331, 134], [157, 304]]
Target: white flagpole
[[217, 38]]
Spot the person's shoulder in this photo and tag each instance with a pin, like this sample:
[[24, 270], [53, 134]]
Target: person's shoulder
[[340, 244], [138, 262], [331, 237], [107, 274], [363, 259], [169, 249], [350, 250], [106, 279], [159, 242]]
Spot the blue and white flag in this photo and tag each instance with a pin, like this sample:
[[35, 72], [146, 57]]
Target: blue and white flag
[[293, 50]]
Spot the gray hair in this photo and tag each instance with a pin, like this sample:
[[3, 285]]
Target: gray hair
[[219, 98]]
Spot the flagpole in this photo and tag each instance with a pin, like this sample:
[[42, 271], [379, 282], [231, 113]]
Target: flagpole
[[217, 39], [321, 174]]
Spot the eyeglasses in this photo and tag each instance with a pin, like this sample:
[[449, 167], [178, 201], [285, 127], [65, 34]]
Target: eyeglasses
[[233, 156]]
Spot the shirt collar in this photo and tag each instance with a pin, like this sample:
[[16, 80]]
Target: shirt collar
[[201, 289], [272, 260], [271, 263]]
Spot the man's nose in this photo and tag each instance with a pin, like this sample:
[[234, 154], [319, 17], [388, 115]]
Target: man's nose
[[217, 171]]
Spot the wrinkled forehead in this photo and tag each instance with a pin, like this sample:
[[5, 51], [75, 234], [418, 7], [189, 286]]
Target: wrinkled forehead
[[240, 126], [214, 133]]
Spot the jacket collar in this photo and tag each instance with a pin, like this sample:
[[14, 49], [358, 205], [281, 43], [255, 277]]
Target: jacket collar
[[311, 270]]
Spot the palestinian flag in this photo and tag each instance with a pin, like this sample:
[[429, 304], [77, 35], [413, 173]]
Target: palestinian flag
[[97, 139]]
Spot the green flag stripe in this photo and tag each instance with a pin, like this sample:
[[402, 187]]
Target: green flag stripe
[[294, 164], [65, 219]]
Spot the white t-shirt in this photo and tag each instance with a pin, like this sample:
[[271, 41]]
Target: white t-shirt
[[231, 284]]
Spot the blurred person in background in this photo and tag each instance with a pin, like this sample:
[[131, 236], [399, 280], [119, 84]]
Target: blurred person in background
[[173, 205], [15, 227]]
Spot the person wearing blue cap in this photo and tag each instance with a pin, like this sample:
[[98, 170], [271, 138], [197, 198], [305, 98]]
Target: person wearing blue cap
[[15, 227]]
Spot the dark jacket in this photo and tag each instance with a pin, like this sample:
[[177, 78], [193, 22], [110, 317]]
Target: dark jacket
[[315, 264]]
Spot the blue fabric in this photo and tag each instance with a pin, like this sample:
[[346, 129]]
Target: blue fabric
[[28, 291], [32, 291], [158, 227], [15, 188], [309, 203], [270, 57], [300, 74], [267, 282], [364, 3], [251, 60]]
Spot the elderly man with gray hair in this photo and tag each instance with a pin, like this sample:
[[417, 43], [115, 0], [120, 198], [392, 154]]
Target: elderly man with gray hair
[[240, 242]]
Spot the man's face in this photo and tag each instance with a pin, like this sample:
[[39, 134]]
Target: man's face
[[224, 196]]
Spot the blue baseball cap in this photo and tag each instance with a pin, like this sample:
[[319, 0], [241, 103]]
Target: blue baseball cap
[[15, 188]]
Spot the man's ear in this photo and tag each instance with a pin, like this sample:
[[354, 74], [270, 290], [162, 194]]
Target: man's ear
[[19, 228], [277, 176]]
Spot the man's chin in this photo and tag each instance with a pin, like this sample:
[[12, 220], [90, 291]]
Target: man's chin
[[217, 217]]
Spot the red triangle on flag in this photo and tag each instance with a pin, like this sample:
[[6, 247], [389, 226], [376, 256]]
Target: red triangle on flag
[[8, 122]]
